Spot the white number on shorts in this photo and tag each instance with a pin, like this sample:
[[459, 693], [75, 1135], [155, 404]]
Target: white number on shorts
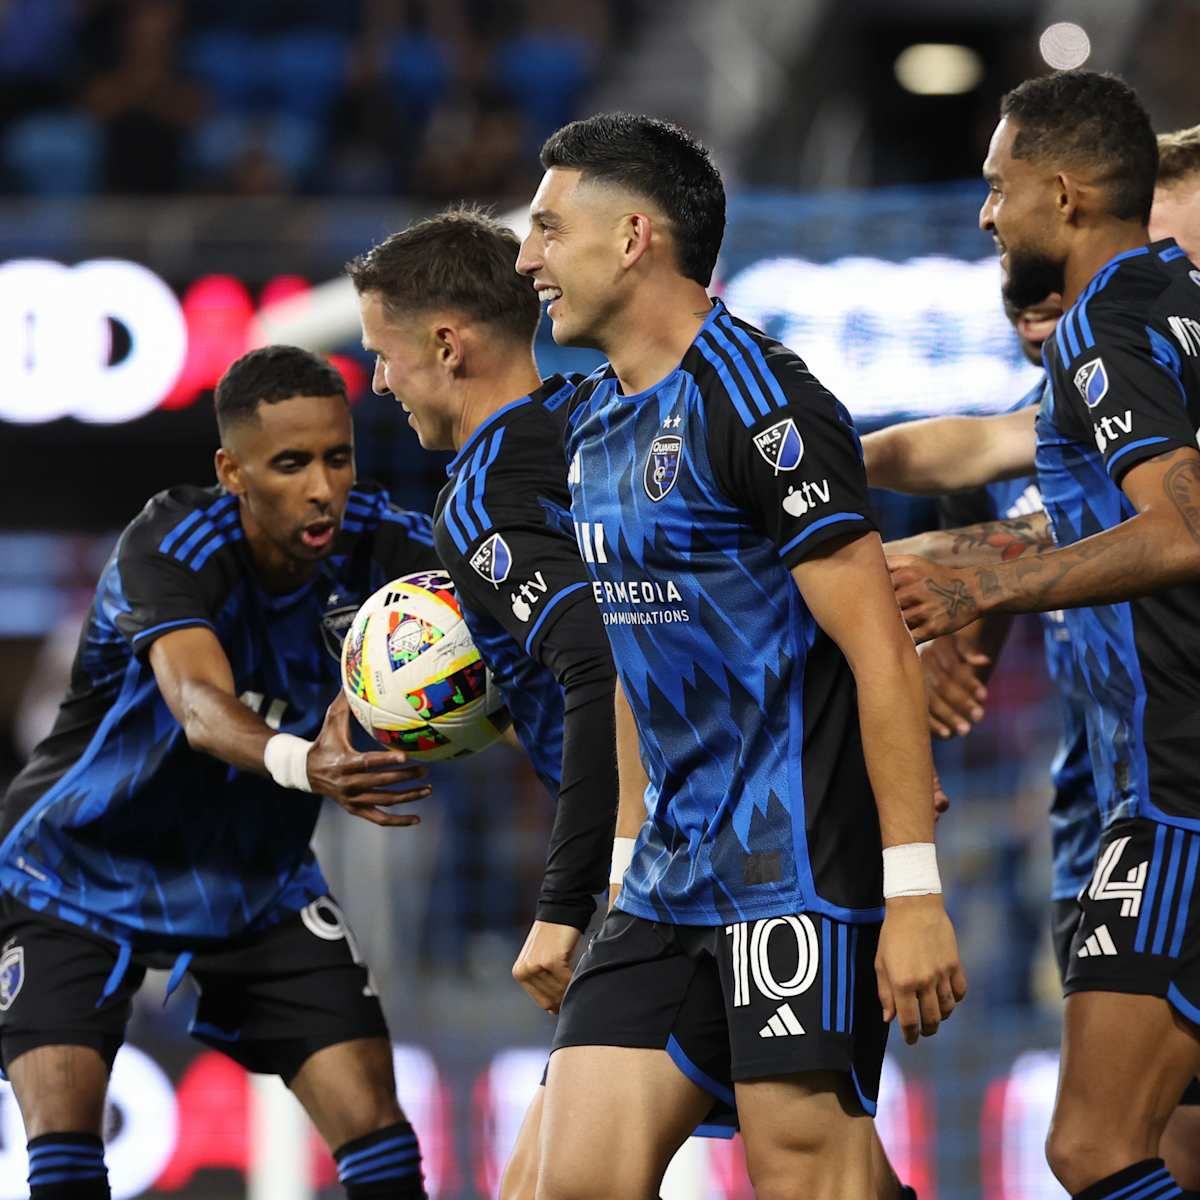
[[751, 940]]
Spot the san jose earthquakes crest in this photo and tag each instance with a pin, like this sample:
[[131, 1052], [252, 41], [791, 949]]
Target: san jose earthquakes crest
[[662, 466], [493, 560], [12, 975], [781, 445]]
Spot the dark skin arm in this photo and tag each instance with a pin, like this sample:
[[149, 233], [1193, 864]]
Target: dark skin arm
[[1158, 547], [196, 681]]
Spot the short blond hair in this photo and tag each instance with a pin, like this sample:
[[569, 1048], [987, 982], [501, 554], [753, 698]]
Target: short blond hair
[[1178, 156]]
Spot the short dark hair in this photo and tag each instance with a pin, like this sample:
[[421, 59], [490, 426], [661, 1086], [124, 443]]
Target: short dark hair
[[657, 160], [269, 375], [462, 259], [1178, 156], [1084, 118]]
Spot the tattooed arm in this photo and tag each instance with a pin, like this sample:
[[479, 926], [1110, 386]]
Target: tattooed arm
[[948, 454], [1158, 547], [980, 545]]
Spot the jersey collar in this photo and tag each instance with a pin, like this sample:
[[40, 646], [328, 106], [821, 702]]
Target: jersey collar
[[717, 311], [548, 388]]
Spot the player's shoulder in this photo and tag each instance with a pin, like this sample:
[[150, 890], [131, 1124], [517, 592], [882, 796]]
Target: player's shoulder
[[371, 518], [588, 390], [191, 525]]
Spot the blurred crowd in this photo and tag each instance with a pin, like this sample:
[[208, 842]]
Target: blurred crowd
[[247, 97]]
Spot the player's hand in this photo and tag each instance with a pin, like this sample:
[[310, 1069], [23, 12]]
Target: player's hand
[[941, 802], [543, 968], [920, 978], [359, 781], [953, 690], [934, 599]]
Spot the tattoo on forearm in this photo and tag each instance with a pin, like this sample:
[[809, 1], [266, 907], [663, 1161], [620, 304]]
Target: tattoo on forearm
[[955, 598], [1182, 485], [1005, 540], [989, 581]]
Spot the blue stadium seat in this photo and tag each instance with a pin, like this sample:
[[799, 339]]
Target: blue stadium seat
[[304, 71], [418, 67], [546, 75], [53, 153]]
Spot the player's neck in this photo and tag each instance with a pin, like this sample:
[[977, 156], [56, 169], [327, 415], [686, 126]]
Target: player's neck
[[649, 338], [1101, 245], [276, 573], [487, 391]]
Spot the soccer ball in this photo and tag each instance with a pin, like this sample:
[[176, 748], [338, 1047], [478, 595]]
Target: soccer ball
[[412, 674]]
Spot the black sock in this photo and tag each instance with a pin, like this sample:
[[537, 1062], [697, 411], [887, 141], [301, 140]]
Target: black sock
[[1147, 1180], [67, 1166], [384, 1165]]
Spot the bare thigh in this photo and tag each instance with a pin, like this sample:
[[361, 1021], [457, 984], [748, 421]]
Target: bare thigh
[[807, 1138], [520, 1173], [349, 1090], [60, 1089], [1126, 1060], [612, 1119]]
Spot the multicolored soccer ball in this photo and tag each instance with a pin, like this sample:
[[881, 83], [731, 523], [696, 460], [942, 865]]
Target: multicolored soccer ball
[[413, 676]]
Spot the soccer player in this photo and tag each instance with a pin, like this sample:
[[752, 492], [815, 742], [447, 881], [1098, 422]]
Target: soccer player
[[720, 505], [1071, 170], [451, 324], [166, 819], [1176, 211]]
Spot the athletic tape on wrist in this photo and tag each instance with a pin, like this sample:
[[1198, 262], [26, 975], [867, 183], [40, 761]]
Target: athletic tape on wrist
[[286, 760], [622, 856], [911, 870]]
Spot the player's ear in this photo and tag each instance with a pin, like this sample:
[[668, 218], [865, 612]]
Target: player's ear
[[229, 471], [1066, 196], [448, 346], [635, 232]]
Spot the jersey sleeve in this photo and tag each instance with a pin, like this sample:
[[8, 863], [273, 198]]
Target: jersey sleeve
[[149, 589], [789, 454], [526, 574], [403, 541], [1119, 379]]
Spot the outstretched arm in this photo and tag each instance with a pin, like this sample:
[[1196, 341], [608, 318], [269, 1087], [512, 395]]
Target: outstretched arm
[[920, 978], [948, 454], [196, 681], [982, 544], [1157, 548]]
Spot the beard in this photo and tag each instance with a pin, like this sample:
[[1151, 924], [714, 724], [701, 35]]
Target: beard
[[1031, 278]]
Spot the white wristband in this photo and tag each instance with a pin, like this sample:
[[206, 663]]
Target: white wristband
[[911, 870], [622, 857], [286, 760]]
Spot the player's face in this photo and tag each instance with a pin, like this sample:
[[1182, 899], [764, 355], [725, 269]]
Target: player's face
[[1176, 214], [572, 253], [409, 367], [292, 468], [1020, 213]]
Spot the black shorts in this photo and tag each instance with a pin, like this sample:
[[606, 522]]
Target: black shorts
[[1139, 920], [777, 996], [1064, 920], [268, 1001]]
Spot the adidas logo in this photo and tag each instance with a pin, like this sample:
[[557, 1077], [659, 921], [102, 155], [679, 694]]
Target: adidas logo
[[783, 1023], [1100, 943]]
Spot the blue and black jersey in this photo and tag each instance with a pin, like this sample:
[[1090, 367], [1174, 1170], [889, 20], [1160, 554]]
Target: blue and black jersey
[[1125, 387], [503, 530], [692, 500], [116, 824], [1074, 816]]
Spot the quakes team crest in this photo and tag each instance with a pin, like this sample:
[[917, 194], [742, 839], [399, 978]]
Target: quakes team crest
[[12, 975], [1092, 381], [662, 466], [493, 560], [781, 446]]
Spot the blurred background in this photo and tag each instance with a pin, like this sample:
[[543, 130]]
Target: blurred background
[[180, 181]]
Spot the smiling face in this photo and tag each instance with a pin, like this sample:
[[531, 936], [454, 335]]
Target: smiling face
[[410, 366], [1022, 213], [574, 253], [1035, 323], [291, 465]]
